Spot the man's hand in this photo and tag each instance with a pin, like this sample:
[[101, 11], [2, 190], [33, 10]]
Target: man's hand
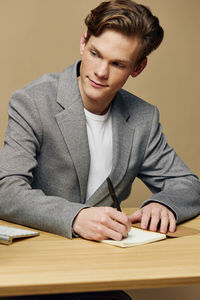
[[155, 216], [99, 223]]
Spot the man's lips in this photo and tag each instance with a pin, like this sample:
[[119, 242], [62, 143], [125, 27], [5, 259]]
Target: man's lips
[[96, 84]]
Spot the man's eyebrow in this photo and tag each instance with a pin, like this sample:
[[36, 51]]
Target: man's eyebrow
[[119, 60], [122, 61], [95, 49]]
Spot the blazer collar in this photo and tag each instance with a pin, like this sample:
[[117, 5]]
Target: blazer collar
[[72, 124], [68, 89]]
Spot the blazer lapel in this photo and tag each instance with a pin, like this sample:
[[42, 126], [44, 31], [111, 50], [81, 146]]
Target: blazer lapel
[[73, 125], [123, 134]]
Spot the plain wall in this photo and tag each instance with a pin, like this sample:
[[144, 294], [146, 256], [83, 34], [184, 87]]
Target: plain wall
[[41, 36]]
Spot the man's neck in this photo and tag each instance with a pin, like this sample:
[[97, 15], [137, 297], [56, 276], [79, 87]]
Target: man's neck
[[97, 108]]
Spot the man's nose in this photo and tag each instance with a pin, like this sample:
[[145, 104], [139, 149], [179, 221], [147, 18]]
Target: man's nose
[[102, 70]]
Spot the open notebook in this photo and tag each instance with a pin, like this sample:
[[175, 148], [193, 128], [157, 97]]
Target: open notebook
[[8, 233], [137, 236]]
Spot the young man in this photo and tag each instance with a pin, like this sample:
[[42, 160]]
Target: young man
[[68, 132]]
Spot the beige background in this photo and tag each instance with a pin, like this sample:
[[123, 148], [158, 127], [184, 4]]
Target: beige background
[[41, 36]]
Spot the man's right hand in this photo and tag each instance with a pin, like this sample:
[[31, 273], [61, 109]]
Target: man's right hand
[[99, 223]]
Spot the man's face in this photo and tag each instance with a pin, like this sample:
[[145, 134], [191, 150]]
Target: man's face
[[107, 62]]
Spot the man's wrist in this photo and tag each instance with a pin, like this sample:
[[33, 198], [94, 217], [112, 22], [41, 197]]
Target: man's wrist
[[74, 234]]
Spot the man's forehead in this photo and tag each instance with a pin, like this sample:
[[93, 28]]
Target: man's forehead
[[116, 58], [119, 46]]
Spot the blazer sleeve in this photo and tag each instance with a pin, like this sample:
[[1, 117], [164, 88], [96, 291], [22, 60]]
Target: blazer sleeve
[[19, 202], [165, 174]]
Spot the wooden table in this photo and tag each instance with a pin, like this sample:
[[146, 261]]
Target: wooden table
[[53, 264]]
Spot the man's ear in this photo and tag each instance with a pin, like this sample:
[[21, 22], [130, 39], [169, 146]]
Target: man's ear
[[83, 42], [139, 68]]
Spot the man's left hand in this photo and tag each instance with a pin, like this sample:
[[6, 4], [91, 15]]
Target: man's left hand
[[155, 216]]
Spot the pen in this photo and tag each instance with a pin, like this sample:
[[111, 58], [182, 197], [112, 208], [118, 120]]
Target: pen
[[112, 194]]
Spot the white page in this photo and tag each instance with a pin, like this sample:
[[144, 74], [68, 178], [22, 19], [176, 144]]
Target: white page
[[137, 236]]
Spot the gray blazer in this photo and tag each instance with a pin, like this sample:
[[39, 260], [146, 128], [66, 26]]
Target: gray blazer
[[45, 160]]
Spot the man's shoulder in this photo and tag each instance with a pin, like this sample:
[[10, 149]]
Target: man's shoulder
[[45, 84], [134, 102], [44, 80], [137, 110]]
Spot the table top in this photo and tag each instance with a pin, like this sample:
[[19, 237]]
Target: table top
[[53, 264]]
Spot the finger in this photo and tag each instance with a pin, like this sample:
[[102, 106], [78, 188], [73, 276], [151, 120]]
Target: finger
[[136, 216], [155, 219], [119, 217], [99, 232], [114, 225], [164, 224], [128, 224], [104, 232], [146, 216], [172, 223]]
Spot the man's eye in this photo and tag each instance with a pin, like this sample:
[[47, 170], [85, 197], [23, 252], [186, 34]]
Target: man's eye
[[118, 65], [93, 53]]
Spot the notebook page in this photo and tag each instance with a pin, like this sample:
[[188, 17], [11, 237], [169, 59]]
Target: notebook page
[[137, 236]]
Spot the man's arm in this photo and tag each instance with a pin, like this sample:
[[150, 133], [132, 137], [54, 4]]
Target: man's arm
[[176, 190], [19, 202], [22, 203]]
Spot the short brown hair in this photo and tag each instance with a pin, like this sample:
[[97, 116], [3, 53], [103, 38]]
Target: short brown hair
[[129, 18]]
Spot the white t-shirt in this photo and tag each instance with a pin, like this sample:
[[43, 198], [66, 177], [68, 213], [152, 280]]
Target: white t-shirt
[[99, 130]]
